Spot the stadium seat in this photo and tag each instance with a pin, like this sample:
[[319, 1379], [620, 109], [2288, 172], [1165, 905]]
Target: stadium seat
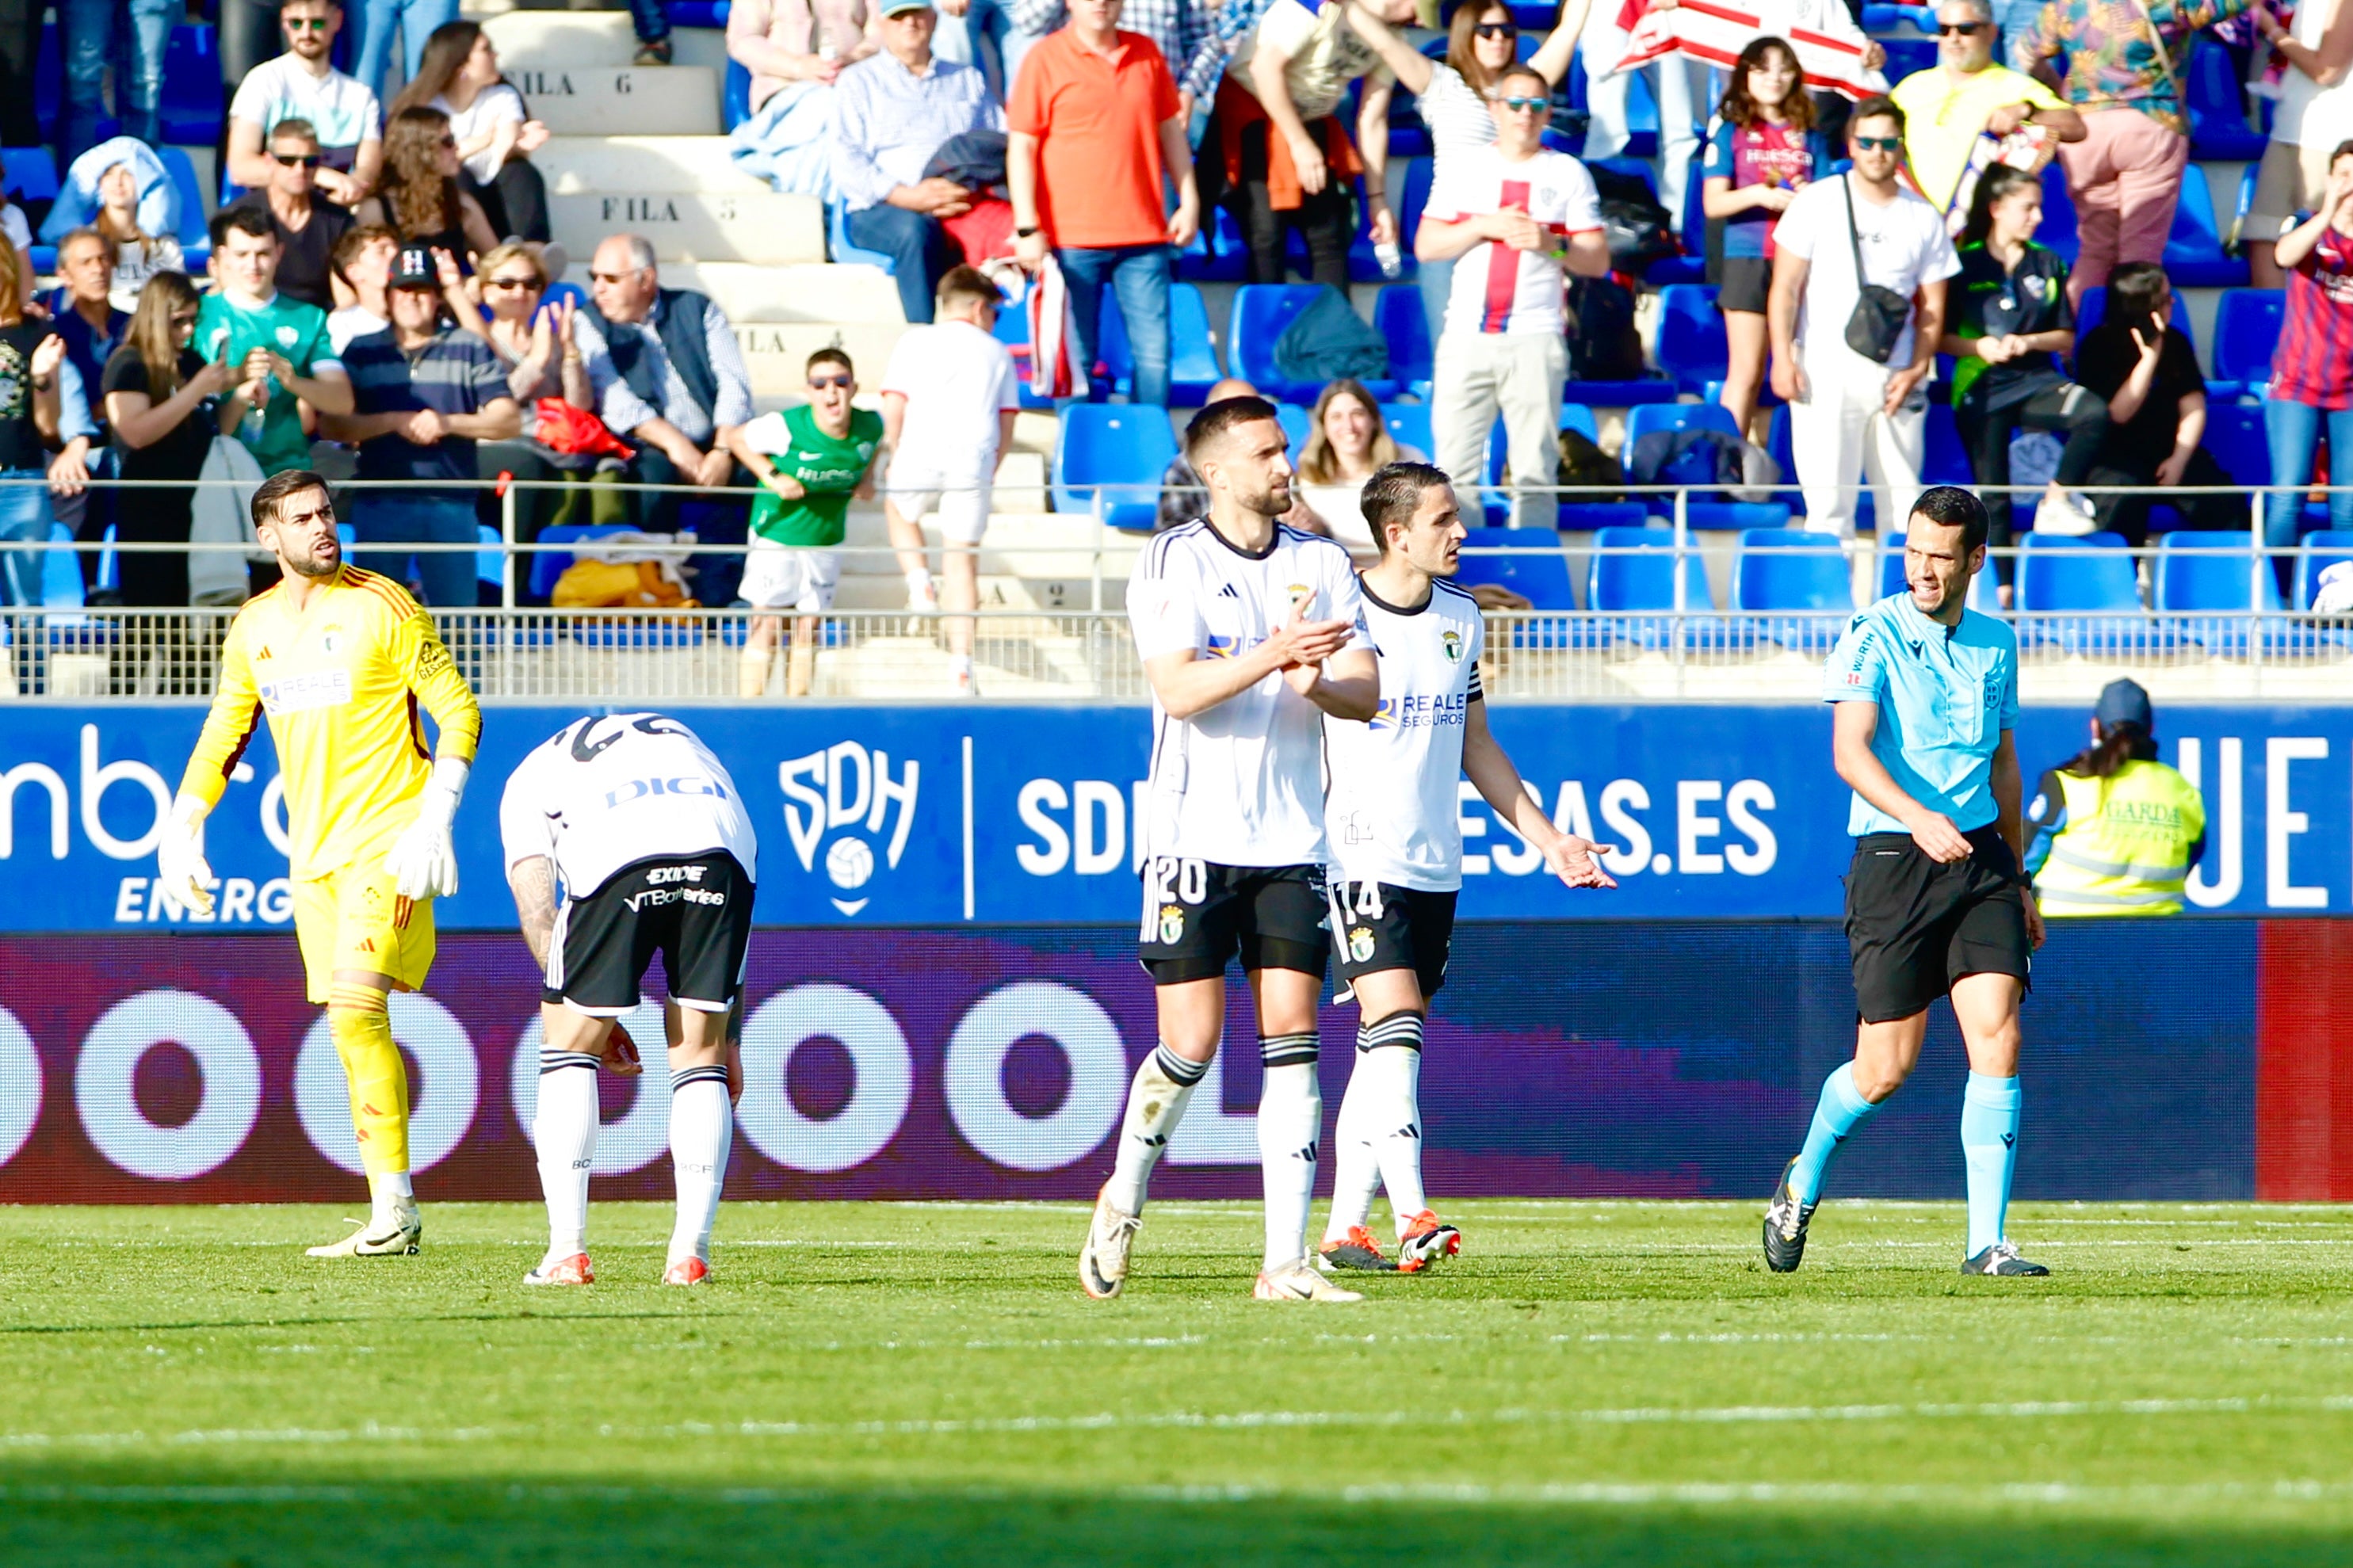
[[841, 251], [1907, 56], [1652, 418], [195, 244], [1691, 342], [2094, 310], [1193, 357], [2081, 594], [2235, 435], [2246, 329], [1410, 193], [1535, 568], [60, 571], [193, 103], [1122, 449], [1877, 19], [1945, 461], [1296, 419], [1260, 312], [2217, 122], [490, 560], [2058, 230], [29, 172], [2206, 584], [1409, 425], [734, 96], [1787, 569], [1217, 254], [1633, 581], [1715, 515], [2194, 257], [1691, 267], [2317, 553], [1642, 105], [1398, 314]]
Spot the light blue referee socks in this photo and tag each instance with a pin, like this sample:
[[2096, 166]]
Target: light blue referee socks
[[1990, 1148], [1841, 1110]]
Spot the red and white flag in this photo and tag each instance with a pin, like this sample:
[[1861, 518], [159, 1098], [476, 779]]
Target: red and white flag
[[1830, 47]]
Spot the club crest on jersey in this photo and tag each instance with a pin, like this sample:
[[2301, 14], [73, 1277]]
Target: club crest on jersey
[[288, 337], [1453, 643], [1360, 944], [1172, 924], [331, 642]]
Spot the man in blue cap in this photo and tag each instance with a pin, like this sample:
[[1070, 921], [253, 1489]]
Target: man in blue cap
[[1925, 694], [2115, 831]]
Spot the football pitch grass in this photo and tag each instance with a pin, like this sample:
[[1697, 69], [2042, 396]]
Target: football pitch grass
[[863, 1383]]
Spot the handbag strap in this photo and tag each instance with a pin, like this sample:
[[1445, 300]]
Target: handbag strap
[[2164, 59], [1854, 233]]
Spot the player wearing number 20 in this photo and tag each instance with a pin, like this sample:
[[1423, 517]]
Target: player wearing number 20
[[338, 661], [1394, 823]]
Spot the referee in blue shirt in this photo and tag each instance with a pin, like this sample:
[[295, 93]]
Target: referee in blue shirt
[[1926, 695]]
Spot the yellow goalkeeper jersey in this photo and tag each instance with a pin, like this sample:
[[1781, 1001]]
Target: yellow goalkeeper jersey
[[339, 682]]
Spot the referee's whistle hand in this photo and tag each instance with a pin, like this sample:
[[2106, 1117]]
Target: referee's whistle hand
[[1939, 839]]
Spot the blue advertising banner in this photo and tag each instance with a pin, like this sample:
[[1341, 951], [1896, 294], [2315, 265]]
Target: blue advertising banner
[[902, 817]]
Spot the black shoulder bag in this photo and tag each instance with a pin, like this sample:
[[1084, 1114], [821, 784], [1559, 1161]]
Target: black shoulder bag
[[1880, 314]]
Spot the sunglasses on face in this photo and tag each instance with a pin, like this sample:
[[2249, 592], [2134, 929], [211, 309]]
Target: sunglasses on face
[[828, 383], [1961, 29], [187, 321], [297, 160], [508, 283], [1497, 30], [1879, 143], [1525, 105], [306, 23]]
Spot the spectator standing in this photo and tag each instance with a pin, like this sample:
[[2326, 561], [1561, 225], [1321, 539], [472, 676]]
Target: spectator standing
[[31, 359], [306, 227], [2157, 409], [423, 393], [84, 316], [1346, 445], [162, 404], [808, 460], [892, 112], [2312, 372], [419, 197], [86, 36], [1179, 30], [1848, 410], [1514, 216], [2312, 114], [949, 395], [2011, 321], [1277, 157], [668, 376], [1451, 94], [415, 20], [461, 76], [1763, 151], [276, 346], [138, 255], [2126, 174], [781, 42], [342, 112], [364, 260], [2115, 831], [1095, 132], [1965, 96]]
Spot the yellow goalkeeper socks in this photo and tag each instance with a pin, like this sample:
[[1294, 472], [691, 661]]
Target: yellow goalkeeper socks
[[378, 1080]]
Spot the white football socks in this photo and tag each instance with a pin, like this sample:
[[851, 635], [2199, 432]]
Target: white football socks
[[701, 1129], [1356, 1169], [1156, 1103], [564, 1133], [386, 1194], [1290, 1126], [1389, 1062]]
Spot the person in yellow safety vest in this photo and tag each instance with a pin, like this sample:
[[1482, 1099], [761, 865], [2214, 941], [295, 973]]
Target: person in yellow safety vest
[[2115, 831]]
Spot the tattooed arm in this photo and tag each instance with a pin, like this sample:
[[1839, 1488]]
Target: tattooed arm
[[533, 883]]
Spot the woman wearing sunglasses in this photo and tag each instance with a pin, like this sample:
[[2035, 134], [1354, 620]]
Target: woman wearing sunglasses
[[536, 342], [418, 198], [461, 77], [1453, 93]]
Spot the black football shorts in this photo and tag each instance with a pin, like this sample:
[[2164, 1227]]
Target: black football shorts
[[1378, 925], [696, 914], [1915, 926], [1198, 916]]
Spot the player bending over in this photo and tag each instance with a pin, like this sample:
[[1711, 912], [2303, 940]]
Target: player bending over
[[1927, 693], [1394, 828], [338, 661], [646, 835], [1250, 633]]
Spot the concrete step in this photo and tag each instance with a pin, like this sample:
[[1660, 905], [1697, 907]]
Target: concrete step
[[545, 41], [591, 165], [776, 353], [826, 292], [695, 226], [621, 101]]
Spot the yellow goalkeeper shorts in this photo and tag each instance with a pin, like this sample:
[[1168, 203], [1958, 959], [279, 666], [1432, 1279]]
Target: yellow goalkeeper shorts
[[351, 919]]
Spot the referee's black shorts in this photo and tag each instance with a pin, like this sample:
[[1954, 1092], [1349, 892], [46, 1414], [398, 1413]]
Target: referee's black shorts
[[1915, 926]]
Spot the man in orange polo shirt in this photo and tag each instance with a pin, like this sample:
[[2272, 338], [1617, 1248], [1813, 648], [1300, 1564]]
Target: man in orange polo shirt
[[1095, 130]]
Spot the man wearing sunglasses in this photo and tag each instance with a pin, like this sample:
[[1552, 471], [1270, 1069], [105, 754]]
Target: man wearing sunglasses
[[301, 84], [1965, 95], [1512, 218], [308, 229]]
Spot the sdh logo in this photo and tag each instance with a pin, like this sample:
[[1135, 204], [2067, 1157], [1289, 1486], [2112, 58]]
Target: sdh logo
[[847, 786]]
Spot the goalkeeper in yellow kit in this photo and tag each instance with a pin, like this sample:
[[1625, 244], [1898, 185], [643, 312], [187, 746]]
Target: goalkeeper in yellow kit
[[338, 660]]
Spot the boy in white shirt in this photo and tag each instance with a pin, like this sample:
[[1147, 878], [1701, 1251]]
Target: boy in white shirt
[[949, 395]]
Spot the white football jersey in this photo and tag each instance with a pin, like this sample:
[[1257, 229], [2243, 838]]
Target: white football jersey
[[615, 790], [1393, 815], [1241, 783]]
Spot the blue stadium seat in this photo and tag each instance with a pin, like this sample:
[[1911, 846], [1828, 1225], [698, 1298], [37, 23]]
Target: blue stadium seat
[[1877, 19], [2246, 329], [842, 251], [735, 95], [1788, 569], [1692, 266], [1638, 590], [2217, 120], [1536, 568], [1691, 342], [60, 571], [2094, 310], [1945, 461], [697, 13], [1193, 357], [195, 102], [1409, 425], [1398, 313], [1649, 418], [1296, 419], [1260, 312], [1113, 445], [1217, 254], [490, 560], [2091, 576], [1641, 106], [195, 244], [2235, 435], [2058, 230], [2319, 551], [2193, 251], [1644, 419], [30, 173], [1407, 199], [2206, 583], [548, 565], [1907, 55]]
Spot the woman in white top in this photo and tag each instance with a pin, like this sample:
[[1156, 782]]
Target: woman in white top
[[1346, 445], [1453, 93], [496, 135], [2315, 112], [138, 255]]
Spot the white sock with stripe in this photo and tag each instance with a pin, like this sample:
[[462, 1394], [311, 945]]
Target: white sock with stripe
[[1356, 1170], [563, 1131], [1290, 1126], [1156, 1099], [701, 1129], [1389, 1062]]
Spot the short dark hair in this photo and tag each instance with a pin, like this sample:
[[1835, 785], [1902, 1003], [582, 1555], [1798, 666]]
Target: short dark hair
[[105, 242], [1950, 505], [962, 283], [1878, 106], [253, 221], [270, 496], [2134, 290], [1394, 494], [1214, 420], [828, 355], [2343, 149], [356, 238], [1520, 67]]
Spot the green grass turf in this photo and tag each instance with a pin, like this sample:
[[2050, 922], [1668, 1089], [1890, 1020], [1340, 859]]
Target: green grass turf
[[881, 1382]]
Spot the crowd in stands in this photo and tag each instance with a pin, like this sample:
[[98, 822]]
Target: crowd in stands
[[387, 282]]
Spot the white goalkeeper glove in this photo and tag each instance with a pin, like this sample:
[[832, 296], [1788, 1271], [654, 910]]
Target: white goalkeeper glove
[[424, 860], [180, 856]]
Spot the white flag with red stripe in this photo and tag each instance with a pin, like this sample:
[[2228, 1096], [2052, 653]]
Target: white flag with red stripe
[[1828, 44]]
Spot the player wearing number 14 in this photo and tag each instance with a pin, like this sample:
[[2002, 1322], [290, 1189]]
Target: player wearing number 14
[[338, 660]]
